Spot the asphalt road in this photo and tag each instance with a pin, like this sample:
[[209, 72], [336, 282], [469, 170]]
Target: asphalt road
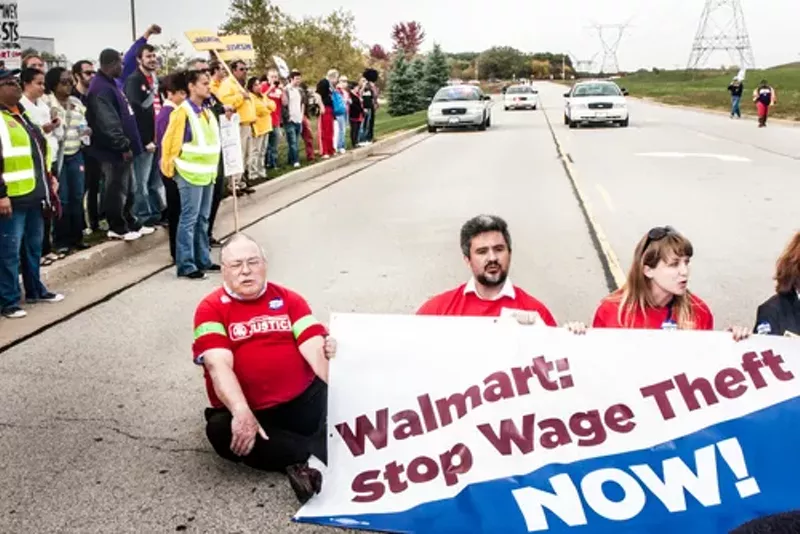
[[729, 186], [102, 429]]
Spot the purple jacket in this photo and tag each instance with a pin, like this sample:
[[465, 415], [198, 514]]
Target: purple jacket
[[129, 62], [113, 124]]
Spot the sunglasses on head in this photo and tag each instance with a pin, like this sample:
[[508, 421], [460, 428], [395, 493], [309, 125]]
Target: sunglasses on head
[[657, 234]]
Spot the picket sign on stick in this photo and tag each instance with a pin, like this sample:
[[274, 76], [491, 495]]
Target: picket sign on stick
[[225, 48]]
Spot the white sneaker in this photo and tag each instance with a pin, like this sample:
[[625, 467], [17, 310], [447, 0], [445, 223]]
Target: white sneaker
[[132, 236], [146, 230], [296, 165]]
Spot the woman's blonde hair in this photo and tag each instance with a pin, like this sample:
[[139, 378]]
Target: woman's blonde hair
[[659, 244]]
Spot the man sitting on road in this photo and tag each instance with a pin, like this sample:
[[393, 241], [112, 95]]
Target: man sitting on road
[[265, 370], [486, 245]]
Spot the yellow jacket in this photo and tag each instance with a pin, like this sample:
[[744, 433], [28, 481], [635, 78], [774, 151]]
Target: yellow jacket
[[231, 95], [264, 108], [172, 143]]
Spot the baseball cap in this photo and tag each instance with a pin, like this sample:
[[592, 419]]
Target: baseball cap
[[8, 73]]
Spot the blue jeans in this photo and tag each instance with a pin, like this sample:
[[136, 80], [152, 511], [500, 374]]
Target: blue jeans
[[272, 148], [69, 228], [341, 133], [364, 133], [27, 223], [293, 130], [735, 101], [192, 249], [148, 195]]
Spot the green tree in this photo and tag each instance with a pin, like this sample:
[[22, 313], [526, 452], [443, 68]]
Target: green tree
[[172, 56], [437, 72], [417, 73], [402, 88], [315, 45], [264, 22], [502, 62]]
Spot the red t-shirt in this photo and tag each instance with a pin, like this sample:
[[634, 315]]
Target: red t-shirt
[[276, 95], [456, 302], [606, 315], [264, 336]]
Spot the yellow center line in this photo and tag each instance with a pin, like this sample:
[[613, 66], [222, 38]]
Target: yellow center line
[[606, 197]]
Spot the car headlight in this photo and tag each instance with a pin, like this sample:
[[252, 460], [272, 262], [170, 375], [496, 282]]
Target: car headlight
[[580, 106]]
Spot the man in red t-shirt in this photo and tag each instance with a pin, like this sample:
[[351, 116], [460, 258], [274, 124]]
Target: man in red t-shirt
[[486, 245], [265, 370]]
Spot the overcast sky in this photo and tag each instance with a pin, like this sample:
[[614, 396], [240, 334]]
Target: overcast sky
[[660, 34]]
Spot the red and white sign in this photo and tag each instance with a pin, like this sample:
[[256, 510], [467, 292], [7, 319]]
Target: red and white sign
[[265, 324]]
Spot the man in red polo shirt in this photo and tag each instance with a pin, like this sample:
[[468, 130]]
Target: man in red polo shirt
[[486, 245], [265, 370]]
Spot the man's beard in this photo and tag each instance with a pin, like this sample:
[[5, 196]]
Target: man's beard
[[493, 280]]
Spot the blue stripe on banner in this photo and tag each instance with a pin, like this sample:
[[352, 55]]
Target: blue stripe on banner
[[749, 468]]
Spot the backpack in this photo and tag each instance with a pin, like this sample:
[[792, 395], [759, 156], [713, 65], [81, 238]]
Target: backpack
[[338, 103]]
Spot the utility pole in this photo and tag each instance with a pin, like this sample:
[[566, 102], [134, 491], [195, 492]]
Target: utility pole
[[722, 29], [133, 19], [610, 45]]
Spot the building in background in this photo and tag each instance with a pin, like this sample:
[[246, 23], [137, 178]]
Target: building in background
[[44, 46]]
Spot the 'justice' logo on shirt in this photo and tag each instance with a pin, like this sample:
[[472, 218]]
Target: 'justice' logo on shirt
[[260, 325]]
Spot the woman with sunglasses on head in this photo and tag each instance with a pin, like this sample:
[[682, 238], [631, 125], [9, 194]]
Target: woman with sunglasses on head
[[656, 293], [780, 314]]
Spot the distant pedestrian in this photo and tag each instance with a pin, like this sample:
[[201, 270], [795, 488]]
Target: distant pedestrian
[[764, 96], [736, 88]]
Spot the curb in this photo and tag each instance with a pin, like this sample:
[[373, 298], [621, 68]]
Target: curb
[[104, 255], [711, 111]]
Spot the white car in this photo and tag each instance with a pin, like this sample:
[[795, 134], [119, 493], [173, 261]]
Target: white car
[[521, 96], [596, 101], [460, 106]]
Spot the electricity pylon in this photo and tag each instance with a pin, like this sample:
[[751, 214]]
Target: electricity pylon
[[722, 28]]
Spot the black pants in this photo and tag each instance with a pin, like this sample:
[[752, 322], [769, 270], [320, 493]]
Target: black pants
[[295, 429], [173, 211], [119, 196], [355, 129], [219, 192], [94, 190]]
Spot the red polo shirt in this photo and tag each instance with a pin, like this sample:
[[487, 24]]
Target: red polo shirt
[[264, 336], [607, 315], [464, 300]]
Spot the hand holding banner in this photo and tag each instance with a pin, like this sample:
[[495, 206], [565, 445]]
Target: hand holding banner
[[471, 425]]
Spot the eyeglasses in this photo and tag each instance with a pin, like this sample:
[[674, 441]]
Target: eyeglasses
[[657, 234], [238, 265]]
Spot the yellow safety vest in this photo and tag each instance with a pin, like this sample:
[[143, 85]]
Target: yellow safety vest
[[199, 159], [19, 173]]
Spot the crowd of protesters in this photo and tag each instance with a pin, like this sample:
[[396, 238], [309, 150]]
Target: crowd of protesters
[[116, 148]]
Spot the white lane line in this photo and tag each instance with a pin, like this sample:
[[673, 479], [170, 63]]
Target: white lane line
[[606, 197], [707, 136], [683, 155], [610, 257]]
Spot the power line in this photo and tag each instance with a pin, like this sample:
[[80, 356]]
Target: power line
[[610, 38], [722, 29]]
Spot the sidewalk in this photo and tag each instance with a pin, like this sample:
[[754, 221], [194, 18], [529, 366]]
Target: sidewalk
[[93, 275]]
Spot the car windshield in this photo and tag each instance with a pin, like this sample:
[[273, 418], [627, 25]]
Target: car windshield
[[457, 94], [523, 89], [596, 89]]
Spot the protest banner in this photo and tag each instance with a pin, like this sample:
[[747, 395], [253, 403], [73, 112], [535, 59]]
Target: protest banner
[[472, 425], [10, 47], [204, 40], [237, 47]]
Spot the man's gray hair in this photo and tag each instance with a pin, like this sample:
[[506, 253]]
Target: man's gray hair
[[333, 74], [235, 238], [192, 63]]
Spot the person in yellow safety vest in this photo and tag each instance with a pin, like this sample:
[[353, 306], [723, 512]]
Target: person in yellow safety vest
[[26, 190], [190, 152]]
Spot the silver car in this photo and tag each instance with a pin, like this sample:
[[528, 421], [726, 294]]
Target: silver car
[[460, 106]]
